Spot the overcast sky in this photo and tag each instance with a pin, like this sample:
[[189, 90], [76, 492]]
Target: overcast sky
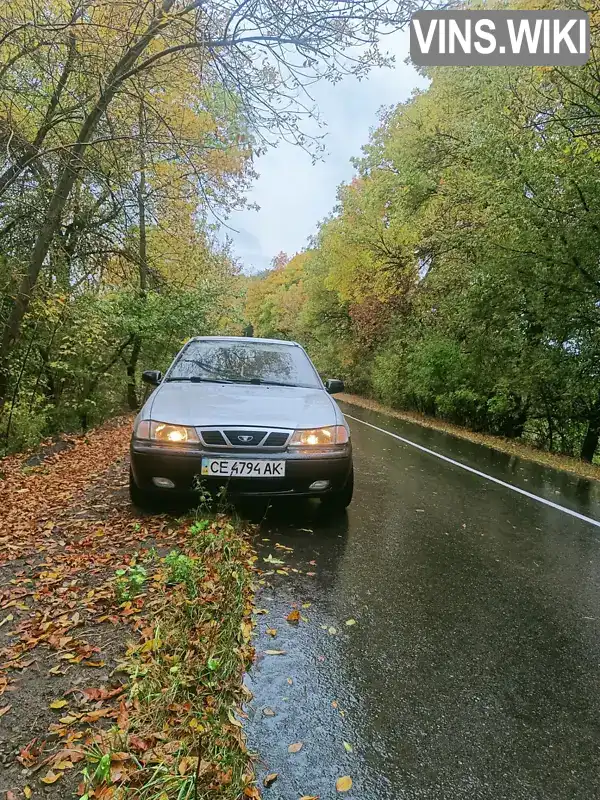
[[293, 194]]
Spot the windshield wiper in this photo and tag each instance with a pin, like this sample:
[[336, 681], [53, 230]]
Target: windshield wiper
[[253, 381], [262, 382], [196, 379]]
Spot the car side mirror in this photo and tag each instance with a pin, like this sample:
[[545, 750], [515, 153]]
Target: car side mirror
[[334, 386], [152, 376]]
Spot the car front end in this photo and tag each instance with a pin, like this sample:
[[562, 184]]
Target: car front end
[[246, 460]]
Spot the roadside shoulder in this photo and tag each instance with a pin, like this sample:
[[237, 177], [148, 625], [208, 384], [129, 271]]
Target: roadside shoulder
[[503, 445]]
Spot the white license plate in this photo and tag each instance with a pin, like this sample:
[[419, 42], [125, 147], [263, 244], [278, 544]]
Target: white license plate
[[242, 468]]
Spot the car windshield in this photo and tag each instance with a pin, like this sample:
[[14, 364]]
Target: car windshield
[[245, 362]]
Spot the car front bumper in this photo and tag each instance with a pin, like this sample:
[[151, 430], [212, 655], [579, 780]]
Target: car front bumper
[[183, 467]]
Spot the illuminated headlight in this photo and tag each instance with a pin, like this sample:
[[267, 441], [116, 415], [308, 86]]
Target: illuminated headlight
[[163, 432], [320, 437]]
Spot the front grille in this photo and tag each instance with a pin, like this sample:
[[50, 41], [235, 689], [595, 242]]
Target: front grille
[[276, 439], [213, 438], [245, 438]]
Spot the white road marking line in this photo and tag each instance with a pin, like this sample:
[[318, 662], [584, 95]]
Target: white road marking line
[[481, 474]]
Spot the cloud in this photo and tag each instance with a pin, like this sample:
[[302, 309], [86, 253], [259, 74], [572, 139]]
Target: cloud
[[292, 193]]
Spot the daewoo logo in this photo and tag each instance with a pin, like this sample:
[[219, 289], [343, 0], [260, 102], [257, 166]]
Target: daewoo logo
[[245, 439]]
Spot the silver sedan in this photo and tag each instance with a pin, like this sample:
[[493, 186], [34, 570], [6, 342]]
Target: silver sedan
[[250, 415]]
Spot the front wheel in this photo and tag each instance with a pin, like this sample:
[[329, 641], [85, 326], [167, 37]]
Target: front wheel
[[341, 499]]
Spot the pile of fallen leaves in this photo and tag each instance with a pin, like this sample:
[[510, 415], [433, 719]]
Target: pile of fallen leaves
[[123, 638]]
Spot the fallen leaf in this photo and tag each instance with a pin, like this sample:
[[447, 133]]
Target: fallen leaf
[[290, 681], [27, 792], [310, 797], [268, 712], [350, 622], [295, 748], [332, 631], [269, 779], [348, 747], [187, 764], [58, 704], [270, 560], [69, 719], [272, 631], [275, 652], [8, 618], [306, 605], [293, 617], [51, 777], [282, 572], [232, 718], [62, 765], [5, 709], [343, 784]]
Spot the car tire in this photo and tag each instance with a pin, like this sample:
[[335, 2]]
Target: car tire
[[340, 500], [141, 498]]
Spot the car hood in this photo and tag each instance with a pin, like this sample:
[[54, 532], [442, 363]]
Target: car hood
[[209, 404]]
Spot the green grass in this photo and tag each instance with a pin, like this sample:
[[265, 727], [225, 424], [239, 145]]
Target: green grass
[[183, 739]]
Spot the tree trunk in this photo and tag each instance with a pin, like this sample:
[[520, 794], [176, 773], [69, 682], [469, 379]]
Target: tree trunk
[[132, 397], [590, 442], [592, 435]]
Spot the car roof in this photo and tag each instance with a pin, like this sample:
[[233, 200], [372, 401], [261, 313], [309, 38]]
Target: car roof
[[243, 339]]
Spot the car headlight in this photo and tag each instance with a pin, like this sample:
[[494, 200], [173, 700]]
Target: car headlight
[[164, 432], [320, 437]]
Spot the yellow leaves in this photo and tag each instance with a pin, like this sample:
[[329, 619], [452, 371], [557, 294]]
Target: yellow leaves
[[271, 632], [187, 764], [270, 779], [293, 617], [343, 784], [275, 652], [231, 717], [56, 704], [63, 765], [27, 792], [51, 777], [246, 629], [295, 748]]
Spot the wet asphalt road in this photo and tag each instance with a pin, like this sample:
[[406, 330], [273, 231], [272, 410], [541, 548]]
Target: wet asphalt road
[[473, 668]]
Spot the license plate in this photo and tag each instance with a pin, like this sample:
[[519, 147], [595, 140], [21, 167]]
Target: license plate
[[242, 468]]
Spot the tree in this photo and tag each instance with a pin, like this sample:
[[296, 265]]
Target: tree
[[261, 56]]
